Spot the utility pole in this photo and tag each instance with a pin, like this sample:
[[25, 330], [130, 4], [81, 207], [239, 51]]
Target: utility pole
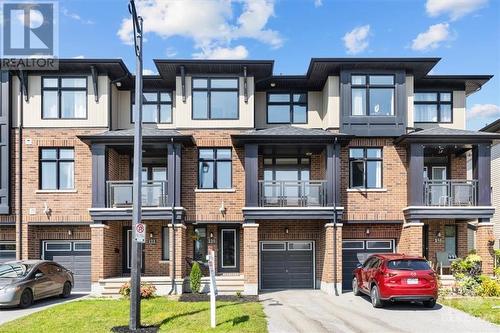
[[135, 290]]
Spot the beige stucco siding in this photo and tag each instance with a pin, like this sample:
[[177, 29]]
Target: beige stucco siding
[[331, 102], [122, 109], [97, 112]]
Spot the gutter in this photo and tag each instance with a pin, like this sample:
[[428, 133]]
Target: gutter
[[173, 290]]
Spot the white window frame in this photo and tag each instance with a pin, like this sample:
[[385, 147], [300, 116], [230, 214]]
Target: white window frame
[[9, 243], [46, 248], [272, 250], [390, 241], [353, 241], [82, 242], [299, 242], [222, 248]]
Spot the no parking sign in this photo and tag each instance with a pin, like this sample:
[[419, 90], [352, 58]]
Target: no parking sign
[[140, 232]]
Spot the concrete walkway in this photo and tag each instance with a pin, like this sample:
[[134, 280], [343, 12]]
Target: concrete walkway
[[15, 313], [312, 311]]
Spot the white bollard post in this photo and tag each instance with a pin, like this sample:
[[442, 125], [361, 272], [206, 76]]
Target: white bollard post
[[213, 288]]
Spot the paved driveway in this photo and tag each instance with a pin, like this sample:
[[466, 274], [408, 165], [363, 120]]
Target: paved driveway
[[312, 311], [15, 313]]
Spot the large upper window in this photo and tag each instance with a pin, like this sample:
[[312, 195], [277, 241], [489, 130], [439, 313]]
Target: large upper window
[[432, 107], [57, 169], [372, 95], [156, 107], [286, 108], [214, 171], [64, 97], [215, 98], [365, 166]]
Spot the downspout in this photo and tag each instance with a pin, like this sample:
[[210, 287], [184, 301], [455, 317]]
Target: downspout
[[173, 290], [19, 223], [335, 225]]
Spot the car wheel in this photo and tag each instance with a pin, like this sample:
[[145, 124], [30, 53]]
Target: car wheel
[[430, 304], [355, 288], [26, 299], [375, 298], [66, 290]]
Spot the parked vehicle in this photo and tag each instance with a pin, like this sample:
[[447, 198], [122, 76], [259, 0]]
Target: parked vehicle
[[22, 282], [396, 277]]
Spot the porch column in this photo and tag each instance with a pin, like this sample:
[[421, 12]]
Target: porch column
[[174, 151], [333, 175], [99, 170], [99, 248], [410, 242], [177, 267], [481, 161], [484, 248], [416, 174], [251, 258], [331, 276], [251, 175]]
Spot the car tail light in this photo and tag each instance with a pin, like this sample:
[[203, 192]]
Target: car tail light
[[389, 275]]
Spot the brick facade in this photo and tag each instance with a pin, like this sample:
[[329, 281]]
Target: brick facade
[[484, 246]]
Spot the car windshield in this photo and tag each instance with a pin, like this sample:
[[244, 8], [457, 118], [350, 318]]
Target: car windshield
[[14, 270], [409, 265]]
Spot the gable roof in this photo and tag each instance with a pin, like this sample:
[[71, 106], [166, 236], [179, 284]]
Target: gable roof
[[494, 127], [437, 134]]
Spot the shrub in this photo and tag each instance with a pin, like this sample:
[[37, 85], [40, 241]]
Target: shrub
[[469, 266], [147, 290], [489, 287], [467, 286], [195, 278]]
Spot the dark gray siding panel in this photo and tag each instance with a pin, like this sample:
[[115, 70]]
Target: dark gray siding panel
[[374, 125], [4, 144]]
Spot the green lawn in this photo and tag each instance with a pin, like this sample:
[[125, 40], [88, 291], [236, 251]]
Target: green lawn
[[99, 315], [477, 306]]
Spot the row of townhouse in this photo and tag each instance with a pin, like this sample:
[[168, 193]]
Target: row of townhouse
[[292, 180]]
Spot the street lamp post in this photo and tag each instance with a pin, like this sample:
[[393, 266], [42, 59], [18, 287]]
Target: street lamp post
[[135, 290]]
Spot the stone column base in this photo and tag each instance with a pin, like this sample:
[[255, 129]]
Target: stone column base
[[251, 289]]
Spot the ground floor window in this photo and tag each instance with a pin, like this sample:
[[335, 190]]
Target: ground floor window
[[165, 244], [7, 250]]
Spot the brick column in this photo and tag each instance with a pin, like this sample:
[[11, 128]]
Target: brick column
[[98, 245], [180, 253], [251, 258], [410, 241], [483, 247], [331, 277]]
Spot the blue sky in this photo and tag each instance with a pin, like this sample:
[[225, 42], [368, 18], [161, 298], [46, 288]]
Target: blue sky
[[464, 33]]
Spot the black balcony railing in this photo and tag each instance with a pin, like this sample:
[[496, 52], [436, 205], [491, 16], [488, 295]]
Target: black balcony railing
[[292, 193], [450, 192], [119, 193]]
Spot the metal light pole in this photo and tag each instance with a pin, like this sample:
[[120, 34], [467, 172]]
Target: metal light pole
[[135, 290]]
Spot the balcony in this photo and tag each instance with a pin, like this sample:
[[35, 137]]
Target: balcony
[[450, 193], [119, 193], [295, 193]]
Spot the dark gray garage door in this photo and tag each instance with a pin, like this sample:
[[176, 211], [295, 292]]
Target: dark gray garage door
[[286, 265], [73, 255], [7, 251], [356, 251]]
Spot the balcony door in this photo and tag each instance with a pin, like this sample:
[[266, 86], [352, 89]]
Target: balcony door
[[284, 178], [154, 188], [439, 189]]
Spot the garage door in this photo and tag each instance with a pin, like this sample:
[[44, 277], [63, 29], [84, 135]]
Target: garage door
[[356, 251], [7, 251], [286, 265], [73, 255]]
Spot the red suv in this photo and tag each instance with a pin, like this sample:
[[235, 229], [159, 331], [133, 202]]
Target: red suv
[[396, 277]]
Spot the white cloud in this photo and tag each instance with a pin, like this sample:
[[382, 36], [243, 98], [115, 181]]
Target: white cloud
[[432, 38], [238, 52], [146, 71], [318, 3], [171, 52], [454, 8], [75, 17], [79, 57], [483, 111], [356, 40], [211, 25]]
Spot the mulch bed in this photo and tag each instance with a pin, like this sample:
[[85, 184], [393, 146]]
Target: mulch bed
[[225, 298], [126, 329]]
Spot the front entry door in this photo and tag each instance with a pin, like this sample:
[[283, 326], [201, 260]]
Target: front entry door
[[127, 251]]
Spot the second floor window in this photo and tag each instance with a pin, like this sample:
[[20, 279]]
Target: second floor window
[[156, 107], [432, 107], [215, 98], [57, 169], [64, 97], [214, 170], [372, 95], [287, 108], [365, 168]]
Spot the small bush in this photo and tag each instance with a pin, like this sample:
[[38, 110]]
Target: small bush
[[147, 290], [489, 287], [469, 266], [467, 286], [195, 278]]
